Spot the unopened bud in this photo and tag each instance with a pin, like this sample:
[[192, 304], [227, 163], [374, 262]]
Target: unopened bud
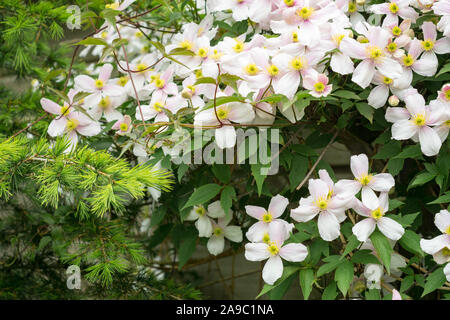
[[350, 34], [186, 93], [393, 101], [360, 2]]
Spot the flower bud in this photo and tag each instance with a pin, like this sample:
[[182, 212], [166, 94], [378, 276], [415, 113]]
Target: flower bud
[[393, 101], [410, 33], [360, 2], [186, 93]]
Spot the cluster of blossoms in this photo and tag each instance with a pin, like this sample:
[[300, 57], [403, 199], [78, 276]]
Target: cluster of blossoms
[[329, 201], [312, 40]]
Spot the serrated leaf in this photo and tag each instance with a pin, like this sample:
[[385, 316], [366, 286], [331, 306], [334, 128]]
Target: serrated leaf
[[434, 280], [346, 94], [330, 292]]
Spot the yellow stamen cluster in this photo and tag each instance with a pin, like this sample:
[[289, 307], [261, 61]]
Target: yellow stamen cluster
[[222, 113], [202, 52], [351, 7], [289, 3], [239, 46], [365, 179], [396, 31], [446, 251], [338, 38], [216, 55], [387, 80], [273, 249], [104, 34], [185, 45], [99, 84], [322, 203], [198, 73], [305, 12], [319, 87], [391, 47], [141, 67], [123, 127], [294, 36], [362, 39], [273, 70], [408, 60], [159, 83], [104, 103], [267, 217], [447, 231], [72, 124], [297, 63], [375, 52], [64, 110], [251, 69], [218, 231], [393, 7], [428, 44], [158, 106], [113, 6], [138, 34], [447, 94], [200, 211], [419, 120], [377, 214], [122, 81], [266, 238]]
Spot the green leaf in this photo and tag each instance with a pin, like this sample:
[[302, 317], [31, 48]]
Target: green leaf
[[205, 80], [181, 52], [306, 277], [330, 292], [222, 172], [158, 216], [44, 242], [411, 242], [352, 244], [366, 110], [182, 170], [406, 283], [202, 194], [395, 166], [259, 178], [421, 179], [389, 150], [187, 249], [298, 171], [344, 276], [346, 94], [373, 294], [278, 292], [364, 257], [442, 199], [434, 280], [410, 152], [383, 248], [444, 69], [287, 272], [330, 266], [226, 198], [92, 42]]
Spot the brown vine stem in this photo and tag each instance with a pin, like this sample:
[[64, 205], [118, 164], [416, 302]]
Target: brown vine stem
[[29, 126], [222, 279], [211, 283], [317, 161]]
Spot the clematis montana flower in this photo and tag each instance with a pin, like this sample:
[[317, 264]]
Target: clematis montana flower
[[372, 55], [123, 126], [439, 246], [396, 295], [369, 183], [222, 230], [318, 84], [260, 230], [415, 121], [374, 211], [201, 216], [394, 9], [274, 251], [232, 112], [323, 202]]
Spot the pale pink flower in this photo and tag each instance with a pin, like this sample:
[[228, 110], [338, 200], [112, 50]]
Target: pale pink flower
[[226, 114], [430, 45], [396, 295], [442, 8], [274, 251], [369, 183], [159, 102], [372, 55], [416, 121], [439, 246], [256, 10], [258, 232], [323, 202], [318, 84], [394, 9], [374, 209], [123, 126], [425, 66]]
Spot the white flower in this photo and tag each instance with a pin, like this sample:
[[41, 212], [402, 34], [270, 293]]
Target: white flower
[[222, 230], [201, 216]]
